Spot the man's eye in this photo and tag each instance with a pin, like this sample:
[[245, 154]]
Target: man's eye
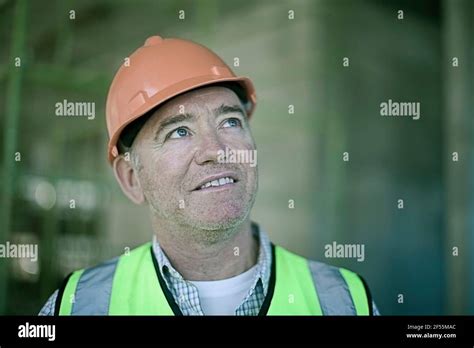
[[179, 133], [232, 122]]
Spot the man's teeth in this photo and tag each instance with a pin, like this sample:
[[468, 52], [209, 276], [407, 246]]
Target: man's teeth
[[219, 182]]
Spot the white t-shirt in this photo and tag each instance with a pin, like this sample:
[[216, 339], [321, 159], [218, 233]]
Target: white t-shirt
[[222, 297]]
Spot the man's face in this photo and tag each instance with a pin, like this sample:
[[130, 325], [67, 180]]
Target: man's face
[[179, 154]]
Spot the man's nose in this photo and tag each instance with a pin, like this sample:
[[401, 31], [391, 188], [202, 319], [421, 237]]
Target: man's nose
[[209, 148]]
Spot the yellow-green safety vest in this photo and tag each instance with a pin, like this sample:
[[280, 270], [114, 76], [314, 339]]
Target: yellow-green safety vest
[[133, 285]]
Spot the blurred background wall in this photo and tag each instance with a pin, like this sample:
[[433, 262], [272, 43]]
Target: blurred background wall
[[312, 109]]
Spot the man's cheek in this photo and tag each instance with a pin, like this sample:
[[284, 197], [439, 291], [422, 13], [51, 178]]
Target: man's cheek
[[240, 141], [154, 183], [175, 148], [163, 195]]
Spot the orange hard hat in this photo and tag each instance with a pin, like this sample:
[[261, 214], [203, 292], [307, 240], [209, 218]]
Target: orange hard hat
[[159, 71]]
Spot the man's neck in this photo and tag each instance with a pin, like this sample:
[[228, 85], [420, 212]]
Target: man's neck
[[196, 260]]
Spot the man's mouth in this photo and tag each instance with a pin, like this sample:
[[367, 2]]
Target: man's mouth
[[220, 182], [216, 181]]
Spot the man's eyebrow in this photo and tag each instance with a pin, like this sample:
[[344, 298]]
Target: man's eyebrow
[[227, 109], [172, 120]]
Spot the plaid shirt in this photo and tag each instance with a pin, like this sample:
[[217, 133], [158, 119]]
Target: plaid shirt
[[186, 294]]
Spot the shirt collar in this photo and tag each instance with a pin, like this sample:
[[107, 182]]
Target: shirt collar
[[263, 268]]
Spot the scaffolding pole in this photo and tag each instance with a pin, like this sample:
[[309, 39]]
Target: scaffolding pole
[[459, 131], [12, 114]]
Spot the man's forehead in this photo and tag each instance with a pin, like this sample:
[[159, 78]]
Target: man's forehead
[[206, 98]]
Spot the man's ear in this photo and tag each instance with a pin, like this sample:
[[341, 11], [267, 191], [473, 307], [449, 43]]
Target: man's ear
[[127, 178]]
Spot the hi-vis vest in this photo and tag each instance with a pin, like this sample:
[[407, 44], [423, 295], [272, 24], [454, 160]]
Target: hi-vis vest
[[133, 285]]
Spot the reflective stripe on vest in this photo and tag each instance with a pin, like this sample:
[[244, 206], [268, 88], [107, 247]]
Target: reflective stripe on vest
[[133, 285], [340, 291]]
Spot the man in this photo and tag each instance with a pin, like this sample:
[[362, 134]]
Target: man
[[174, 114]]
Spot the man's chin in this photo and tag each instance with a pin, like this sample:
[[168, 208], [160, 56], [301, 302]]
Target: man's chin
[[217, 214], [213, 230], [217, 223], [218, 211]]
